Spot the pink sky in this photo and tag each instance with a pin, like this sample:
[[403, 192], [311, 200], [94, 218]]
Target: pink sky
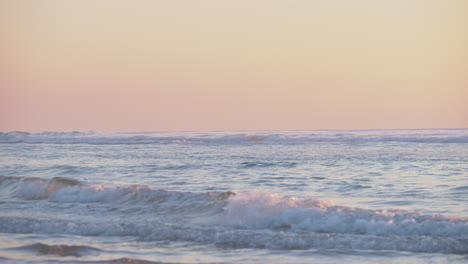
[[232, 65]]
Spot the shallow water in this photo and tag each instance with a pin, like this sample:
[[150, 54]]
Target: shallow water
[[387, 196]]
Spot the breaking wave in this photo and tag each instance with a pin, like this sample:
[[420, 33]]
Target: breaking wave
[[414, 136], [256, 210], [247, 219], [66, 190]]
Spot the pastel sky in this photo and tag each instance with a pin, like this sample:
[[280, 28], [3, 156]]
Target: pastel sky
[[141, 65]]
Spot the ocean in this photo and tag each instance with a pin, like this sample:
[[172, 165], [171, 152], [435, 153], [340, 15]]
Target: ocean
[[367, 196]]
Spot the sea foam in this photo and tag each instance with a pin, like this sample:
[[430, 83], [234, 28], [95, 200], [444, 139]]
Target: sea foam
[[257, 210], [244, 219]]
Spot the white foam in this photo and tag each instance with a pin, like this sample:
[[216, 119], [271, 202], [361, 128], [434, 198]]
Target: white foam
[[249, 209], [251, 219], [146, 230], [257, 210]]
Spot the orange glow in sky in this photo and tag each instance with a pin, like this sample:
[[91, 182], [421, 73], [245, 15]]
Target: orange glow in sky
[[115, 65]]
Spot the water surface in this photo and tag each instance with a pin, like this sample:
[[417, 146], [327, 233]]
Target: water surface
[[234, 197]]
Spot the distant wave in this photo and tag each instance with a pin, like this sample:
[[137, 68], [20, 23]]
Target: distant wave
[[257, 164], [247, 219], [358, 136]]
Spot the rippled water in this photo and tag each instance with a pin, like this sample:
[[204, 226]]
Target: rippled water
[[234, 197]]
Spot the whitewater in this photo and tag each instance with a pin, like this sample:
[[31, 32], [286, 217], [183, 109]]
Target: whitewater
[[331, 196]]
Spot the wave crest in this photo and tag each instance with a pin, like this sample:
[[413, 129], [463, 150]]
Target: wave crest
[[66, 190], [257, 210], [250, 219]]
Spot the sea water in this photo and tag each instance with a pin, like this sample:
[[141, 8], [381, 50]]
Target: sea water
[[386, 196]]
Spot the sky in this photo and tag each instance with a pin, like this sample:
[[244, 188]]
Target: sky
[[216, 65]]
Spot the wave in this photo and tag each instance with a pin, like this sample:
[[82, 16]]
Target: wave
[[246, 219], [59, 250], [254, 137], [257, 210], [67, 190], [221, 236], [259, 164], [64, 250], [124, 261], [118, 198]]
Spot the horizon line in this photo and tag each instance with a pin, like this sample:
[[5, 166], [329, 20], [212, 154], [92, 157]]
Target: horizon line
[[239, 130]]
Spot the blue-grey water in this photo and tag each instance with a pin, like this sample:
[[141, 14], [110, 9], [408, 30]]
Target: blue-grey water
[[386, 196]]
